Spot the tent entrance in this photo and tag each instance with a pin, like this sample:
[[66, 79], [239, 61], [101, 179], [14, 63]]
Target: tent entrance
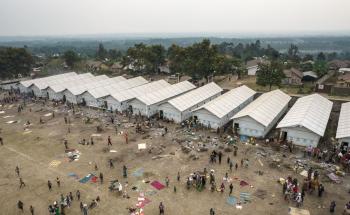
[[161, 114]]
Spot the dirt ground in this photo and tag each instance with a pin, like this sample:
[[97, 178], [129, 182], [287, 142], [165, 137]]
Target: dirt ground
[[33, 151]]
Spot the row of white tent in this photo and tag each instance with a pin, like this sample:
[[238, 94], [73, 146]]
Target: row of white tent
[[304, 124]]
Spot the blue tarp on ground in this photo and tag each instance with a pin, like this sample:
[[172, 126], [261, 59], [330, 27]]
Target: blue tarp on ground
[[86, 178], [231, 200]]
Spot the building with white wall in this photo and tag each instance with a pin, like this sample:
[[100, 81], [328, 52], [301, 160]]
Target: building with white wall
[[147, 104], [180, 108], [306, 122], [119, 100], [343, 130], [219, 111], [259, 117]]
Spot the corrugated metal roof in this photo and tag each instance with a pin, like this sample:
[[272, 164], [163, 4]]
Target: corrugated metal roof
[[106, 90], [128, 94], [311, 112], [27, 83], [194, 97], [166, 93], [61, 80], [229, 101], [343, 129], [265, 108]]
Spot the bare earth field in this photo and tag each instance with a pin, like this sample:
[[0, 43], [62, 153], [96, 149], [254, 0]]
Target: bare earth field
[[35, 149]]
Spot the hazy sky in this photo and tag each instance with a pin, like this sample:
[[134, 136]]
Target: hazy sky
[[71, 17]]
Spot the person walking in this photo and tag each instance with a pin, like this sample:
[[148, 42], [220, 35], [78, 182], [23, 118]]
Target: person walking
[[109, 141], [231, 165], [31, 209], [21, 183], [111, 165], [1, 141], [20, 205], [220, 156], [178, 176], [71, 196], [66, 144], [161, 208], [231, 189], [49, 184], [77, 194]]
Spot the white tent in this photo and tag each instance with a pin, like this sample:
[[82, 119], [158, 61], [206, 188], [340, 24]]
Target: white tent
[[24, 85], [96, 97], [119, 100], [258, 118], [147, 104], [306, 122], [219, 111], [55, 91], [180, 108], [40, 85], [343, 130], [73, 93]]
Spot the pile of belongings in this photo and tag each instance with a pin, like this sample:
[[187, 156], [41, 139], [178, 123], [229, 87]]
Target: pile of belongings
[[115, 186], [72, 154]]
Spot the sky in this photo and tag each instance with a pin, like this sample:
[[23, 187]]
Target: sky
[[88, 17]]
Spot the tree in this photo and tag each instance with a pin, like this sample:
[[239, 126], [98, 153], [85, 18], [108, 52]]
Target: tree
[[308, 57], [176, 56], [156, 56], [71, 58], [270, 74], [101, 53], [293, 52], [320, 68], [14, 61], [321, 56], [114, 54]]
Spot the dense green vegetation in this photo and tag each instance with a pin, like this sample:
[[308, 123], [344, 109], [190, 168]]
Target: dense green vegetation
[[15, 61]]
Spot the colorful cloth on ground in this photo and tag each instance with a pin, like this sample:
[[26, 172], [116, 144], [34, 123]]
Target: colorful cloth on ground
[[245, 197], [138, 172], [157, 185], [86, 178], [243, 183]]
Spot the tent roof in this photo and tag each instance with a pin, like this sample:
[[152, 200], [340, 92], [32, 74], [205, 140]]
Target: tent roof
[[166, 93], [229, 101], [77, 80], [343, 129], [194, 97], [105, 90], [265, 108], [128, 94], [311, 112], [27, 83], [95, 82]]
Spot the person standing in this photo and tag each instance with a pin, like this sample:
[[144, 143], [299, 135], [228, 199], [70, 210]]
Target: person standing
[[49, 184], [58, 182], [77, 194], [167, 181], [231, 189], [178, 176], [31, 209], [220, 156], [320, 190], [1, 141], [66, 144], [111, 165], [231, 165], [17, 171], [125, 172], [332, 207], [161, 208], [212, 212], [92, 141], [101, 177]]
